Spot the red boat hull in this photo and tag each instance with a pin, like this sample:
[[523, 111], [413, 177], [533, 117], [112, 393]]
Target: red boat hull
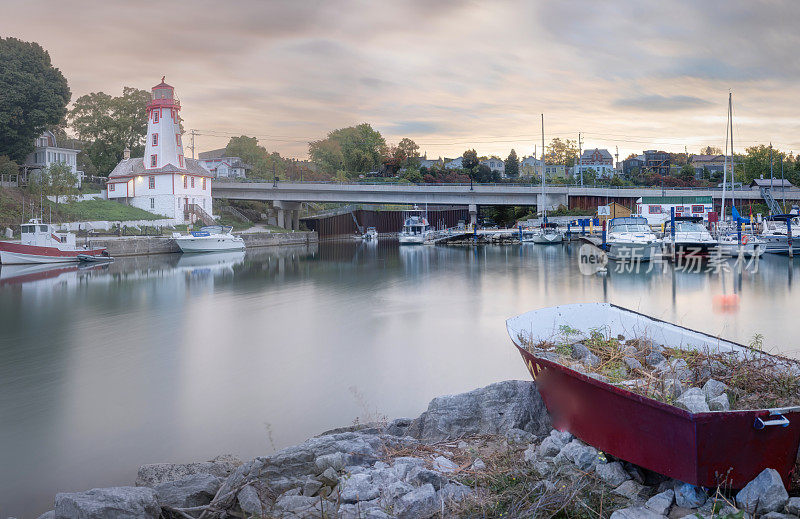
[[16, 253], [705, 449]]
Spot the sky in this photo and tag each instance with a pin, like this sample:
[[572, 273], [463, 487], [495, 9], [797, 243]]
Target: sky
[[449, 74]]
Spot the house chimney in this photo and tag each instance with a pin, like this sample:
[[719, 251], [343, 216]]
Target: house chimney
[[126, 153]]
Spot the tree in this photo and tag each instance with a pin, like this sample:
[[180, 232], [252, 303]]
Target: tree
[[410, 152], [710, 150], [265, 165], [55, 180], [8, 166], [110, 124], [562, 152], [33, 95], [469, 160], [756, 163], [687, 173], [356, 149], [512, 165]]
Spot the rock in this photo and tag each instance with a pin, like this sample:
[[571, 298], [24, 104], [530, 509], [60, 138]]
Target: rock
[[108, 503], [194, 490], [298, 506], [335, 461], [362, 510], [562, 436], [552, 445], [329, 477], [157, 473], [777, 515], [586, 458], [689, 496], [421, 476], [519, 436], [478, 464], [675, 368], [672, 388], [693, 400], [579, 351], [403, 466], [358, 487], [543, 468], [442, 464], [654, 358], [764, 494], [631, 489], [793, 505], [453, 493], [420, 503], [612, 474], [591, 360], [720, 403], [568, 452], [636, 512], [713, 388], [311, 487], [398, 427], [51, 514], [661, 503], [636, 473], [494, 409], [632, 363], [531, 454], [250, 502]]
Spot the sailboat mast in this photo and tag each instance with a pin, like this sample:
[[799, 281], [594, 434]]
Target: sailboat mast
[[544, 197], [733, 167], [725, 170]]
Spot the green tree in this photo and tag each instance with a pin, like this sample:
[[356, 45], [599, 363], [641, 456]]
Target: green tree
[[109, 124], [55, 180], [469, 160], [562, 152], [265, 165], [33, 95], [353, 150], [512, 165], [8, 166], [756, 163], [410, 152], [687, 173]]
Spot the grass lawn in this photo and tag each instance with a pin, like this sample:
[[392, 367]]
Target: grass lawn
[[103, 210]]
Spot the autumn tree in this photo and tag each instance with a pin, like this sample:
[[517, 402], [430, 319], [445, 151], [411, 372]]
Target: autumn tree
[[33, 95], [512, 165], [109, 124], [562, 152]]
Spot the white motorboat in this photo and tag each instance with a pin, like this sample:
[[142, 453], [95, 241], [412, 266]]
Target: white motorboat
[[775, 234], [41, 243], [415, 229], [750, 246], [370, 234], [689, 237], [213, 238], [547, 235], [631, 239]]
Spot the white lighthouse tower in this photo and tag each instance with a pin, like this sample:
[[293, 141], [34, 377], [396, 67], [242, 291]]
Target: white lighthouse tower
[[164, 181]]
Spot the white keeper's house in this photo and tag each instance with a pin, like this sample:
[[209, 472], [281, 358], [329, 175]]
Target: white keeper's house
[[164, 181]]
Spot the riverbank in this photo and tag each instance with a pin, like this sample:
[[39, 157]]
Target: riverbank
[[490, 452], [144, 245]]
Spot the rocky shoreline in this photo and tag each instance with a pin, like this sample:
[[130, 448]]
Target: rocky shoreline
[[487, 453]]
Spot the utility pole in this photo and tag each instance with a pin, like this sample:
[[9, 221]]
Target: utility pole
[[770, 167], [617, 156], [580, 162], [192, 133]]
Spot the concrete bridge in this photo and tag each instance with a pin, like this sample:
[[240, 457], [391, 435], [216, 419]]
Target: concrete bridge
[[287, 196]]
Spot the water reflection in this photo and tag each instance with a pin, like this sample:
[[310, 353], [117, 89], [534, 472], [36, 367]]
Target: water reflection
[[180, 358]]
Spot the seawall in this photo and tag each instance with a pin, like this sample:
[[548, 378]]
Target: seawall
[[143, 245]]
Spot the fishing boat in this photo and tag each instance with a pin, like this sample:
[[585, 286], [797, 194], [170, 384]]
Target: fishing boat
[[415, 229], [40, 243], [370, 234], [689, 237], [213, 238], [631, 239], [704, 449], [775, 233]]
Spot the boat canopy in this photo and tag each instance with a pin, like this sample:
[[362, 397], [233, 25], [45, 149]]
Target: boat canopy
[[628, 220], [695, 219], [212, 229]]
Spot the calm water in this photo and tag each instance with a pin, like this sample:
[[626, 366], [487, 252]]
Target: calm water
[[177, 359]]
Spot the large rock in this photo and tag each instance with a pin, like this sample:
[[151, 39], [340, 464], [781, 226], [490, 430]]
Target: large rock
[[661, 503], [358, 487], [613, 474], [250, 502], [764, 494], [157, 473], [793, 506], [420, 503], [689, 496], [291, 506], [714, 388], [636, 512], [720, 403], [494, 409], [693, 400], [194, 490], [108, 503]]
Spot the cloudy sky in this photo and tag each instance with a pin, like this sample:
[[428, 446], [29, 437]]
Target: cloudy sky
[[449, 74]]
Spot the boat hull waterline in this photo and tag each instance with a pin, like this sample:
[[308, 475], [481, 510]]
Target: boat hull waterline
[[210, 243], [703, 449], [19, 254]]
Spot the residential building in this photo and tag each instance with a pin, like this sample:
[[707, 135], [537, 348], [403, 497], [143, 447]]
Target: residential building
[[47, 152], [455, 163], [425, 162], [714, 163], [633, 165], [601, 161], [221, 165], [657, 162], [495, 164], [530, 167], [163, 182]]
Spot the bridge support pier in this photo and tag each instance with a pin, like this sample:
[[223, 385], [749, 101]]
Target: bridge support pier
[[288, 214], [473, 214]]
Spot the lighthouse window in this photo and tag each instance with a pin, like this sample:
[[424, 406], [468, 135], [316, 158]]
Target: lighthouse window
[[192, 182], [156, 113], [185, 180], [152, 203], [180, 161], [204, 183], [153, 161], [178, 139], [111, 187], [155, 139], [151, 182]]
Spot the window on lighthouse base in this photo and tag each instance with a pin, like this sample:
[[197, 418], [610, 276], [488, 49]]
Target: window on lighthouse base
[[153, 161]]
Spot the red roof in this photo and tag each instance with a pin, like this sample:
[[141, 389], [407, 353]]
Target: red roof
[[163, 85]]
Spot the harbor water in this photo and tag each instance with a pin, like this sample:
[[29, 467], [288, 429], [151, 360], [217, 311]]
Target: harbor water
[[178, 359]]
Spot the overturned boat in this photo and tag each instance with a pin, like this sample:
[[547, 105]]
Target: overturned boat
[[705, 448]]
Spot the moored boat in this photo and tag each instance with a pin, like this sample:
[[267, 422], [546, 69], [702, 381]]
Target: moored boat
[[415, 229], [40, 243], [775, 234], [213, 238], [704, 448], [547, 234], [631, 239], [689, 237], [370, 234]]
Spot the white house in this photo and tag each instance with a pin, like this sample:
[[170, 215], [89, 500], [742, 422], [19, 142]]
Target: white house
[[495, 164], [601, 161], [47, 152], [455, 163], [222, 166], [163, 182]]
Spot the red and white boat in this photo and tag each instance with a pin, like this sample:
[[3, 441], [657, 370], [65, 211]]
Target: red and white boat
[[41, 244]]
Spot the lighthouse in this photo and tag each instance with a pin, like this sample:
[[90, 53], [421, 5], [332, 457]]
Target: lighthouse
[[163, 181]]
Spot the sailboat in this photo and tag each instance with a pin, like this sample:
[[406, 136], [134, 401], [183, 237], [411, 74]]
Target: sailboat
[[548, 233], [730, 241]]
